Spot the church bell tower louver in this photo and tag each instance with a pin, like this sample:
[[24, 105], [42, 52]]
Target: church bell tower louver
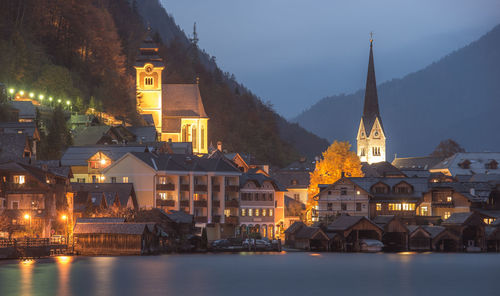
[[371, 136]]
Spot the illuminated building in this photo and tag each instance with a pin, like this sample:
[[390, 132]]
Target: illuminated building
[[176, 110], [371, 135]]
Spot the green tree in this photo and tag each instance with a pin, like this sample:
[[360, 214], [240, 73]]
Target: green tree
[[58, 137], [447, 148]]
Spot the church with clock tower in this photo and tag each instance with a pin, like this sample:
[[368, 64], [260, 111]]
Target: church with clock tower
[[176, 110], [371, 135]]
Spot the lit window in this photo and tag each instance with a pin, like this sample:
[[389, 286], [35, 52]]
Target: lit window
[[125, 179], [163, 195], [423, 211], [19, 179], [394, 207], [379, 207], [488, 220], [227, 212], [446, 215], [162, 180], [243, 212], [270, 212], [264, 212], [449, 199], [250, 212], [257, 212], [148, 81]]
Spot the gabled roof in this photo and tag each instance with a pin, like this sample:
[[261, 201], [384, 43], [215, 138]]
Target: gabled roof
[[292, 179], [343, 223], [477, 163], [13, 146], [14, 127], [296, 226], [309, 233], [115, 228], [78, 155], [180, 217], [416, 163], [100, 220], [420, 186], [383, 220], [26, 109], [91, 135], [457, 218], [180, 100], [259, 180], [381, 169], [110, 190], [434, 231], [144, 134], [37, 173]]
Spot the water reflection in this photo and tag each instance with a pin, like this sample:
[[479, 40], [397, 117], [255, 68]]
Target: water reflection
[[103, 272], [26, 283], [64, 267]]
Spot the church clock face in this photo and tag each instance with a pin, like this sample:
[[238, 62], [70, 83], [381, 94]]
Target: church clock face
[[149, 69]]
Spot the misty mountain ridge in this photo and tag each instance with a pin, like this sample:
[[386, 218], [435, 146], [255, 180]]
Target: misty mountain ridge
[[456, 97]]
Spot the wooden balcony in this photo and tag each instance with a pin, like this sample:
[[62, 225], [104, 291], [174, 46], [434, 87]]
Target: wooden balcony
[[165, 187], [232, 188], [200, 188], [185, 203], [165, 203], [231, 220], [200, 203], [201, 219], [216, 188], [232, 203], [184, 187], [216, 203]]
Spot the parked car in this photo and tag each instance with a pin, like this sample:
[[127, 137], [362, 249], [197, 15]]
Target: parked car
[[220, 243]]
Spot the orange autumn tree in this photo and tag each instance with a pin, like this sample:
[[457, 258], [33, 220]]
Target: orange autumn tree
[[336, 159]]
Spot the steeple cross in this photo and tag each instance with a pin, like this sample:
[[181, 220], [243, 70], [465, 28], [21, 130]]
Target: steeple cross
[[371, 37]]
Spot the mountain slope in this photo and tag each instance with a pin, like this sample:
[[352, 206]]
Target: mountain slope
[[457, 97], [239, 118]]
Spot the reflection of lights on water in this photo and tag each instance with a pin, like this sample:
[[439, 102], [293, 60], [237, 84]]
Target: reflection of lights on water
[[64, 259], [315, 255], [407, 253], [27, 261]]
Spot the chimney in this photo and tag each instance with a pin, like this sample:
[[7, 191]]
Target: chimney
[[219, 146]]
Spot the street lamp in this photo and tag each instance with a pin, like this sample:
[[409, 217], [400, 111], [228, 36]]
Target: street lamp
[[11, 91], [32, 95], [28, 217], [21, 92], [40, 97], [65, 219]]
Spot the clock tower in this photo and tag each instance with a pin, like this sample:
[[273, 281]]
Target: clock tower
[[149, 67], [371, 135]]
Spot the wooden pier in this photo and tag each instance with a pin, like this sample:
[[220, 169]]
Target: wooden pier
[[29, 248]]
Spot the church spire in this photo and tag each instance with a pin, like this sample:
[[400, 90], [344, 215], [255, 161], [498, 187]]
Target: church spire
[[371, 110]]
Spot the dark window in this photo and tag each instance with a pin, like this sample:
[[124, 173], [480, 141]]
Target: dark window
[[329, 206], [343, 191], [343, 207], [402, 189], [358, 207], [15, 205], [113, 179]]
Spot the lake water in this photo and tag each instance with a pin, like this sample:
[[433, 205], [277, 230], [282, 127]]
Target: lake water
[[256, 274]]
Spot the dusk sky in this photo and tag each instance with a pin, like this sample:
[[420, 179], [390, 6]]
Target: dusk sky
[[294, 52]]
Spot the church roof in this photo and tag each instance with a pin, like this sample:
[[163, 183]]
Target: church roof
[[180, 100], [371, 110]]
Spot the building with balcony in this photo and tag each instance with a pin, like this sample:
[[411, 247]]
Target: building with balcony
[[259, 195], [208, 189]]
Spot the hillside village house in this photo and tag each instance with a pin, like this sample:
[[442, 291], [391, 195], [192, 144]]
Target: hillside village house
[[295, 178], [344, 197], [29, 197], [205, 188], [469, 163]]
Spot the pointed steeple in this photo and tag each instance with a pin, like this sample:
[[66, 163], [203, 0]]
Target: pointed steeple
[[371, 110]]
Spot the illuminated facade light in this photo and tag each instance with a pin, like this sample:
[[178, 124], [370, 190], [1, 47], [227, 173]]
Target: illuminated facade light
[[103, 161], [64, 217], [26, 216]]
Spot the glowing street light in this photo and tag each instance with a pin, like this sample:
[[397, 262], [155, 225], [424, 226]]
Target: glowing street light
[[26, 216], [32, 95], [11, 91], [40, 97], [59, 100], [50, 99], [68, 102], [21, 92], [64, 217]]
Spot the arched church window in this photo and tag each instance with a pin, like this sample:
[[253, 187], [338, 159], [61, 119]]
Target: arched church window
[[195, 138], [148, 81], [202, 137], [363, 152]]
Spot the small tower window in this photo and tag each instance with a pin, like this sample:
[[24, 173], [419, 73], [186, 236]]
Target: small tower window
[[376, 151], [148, 81], [363, 152]]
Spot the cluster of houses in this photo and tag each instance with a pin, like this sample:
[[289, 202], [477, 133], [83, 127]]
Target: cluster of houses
[[123, 189]]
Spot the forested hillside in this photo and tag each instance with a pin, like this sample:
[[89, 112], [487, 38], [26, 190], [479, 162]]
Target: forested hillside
[[457, 97], [84, 51]]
